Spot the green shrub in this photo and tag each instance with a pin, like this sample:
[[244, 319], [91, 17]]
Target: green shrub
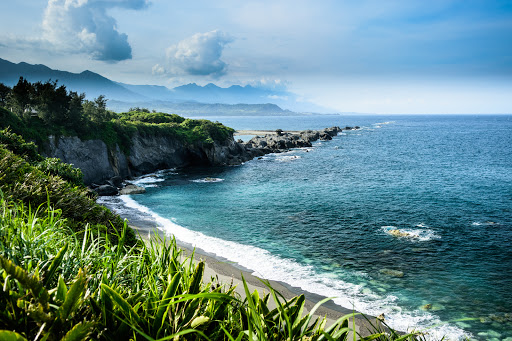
[[23, 182], [16, 144], [53, 166]]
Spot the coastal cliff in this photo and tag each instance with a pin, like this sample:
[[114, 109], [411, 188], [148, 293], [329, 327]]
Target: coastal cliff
[[149, 153], [146, 154]]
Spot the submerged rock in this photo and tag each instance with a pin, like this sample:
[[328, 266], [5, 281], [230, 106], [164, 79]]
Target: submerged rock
[[398, 233], [132, 189], [392, 273]]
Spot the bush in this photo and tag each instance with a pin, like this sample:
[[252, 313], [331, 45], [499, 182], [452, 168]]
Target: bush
[[22, 182], [53, 166]]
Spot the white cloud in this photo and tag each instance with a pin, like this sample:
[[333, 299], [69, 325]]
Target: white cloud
[[82, 26], [158, 70], [199, 55]]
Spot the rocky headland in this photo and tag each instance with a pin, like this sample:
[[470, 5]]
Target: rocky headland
[[105, 168]]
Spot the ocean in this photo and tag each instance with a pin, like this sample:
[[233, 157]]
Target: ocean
[[409, 216]]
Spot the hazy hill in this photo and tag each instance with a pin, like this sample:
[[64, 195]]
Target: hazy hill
[[188, 99], [89, 82]]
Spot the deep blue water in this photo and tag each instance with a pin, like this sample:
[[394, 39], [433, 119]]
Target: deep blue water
[[320, 218]]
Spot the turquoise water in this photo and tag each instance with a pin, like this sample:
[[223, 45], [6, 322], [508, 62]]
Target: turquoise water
[[320, 218]]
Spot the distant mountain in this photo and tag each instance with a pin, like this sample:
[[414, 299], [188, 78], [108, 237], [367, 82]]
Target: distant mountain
[[189, 98], [89, 82], [204, 109]]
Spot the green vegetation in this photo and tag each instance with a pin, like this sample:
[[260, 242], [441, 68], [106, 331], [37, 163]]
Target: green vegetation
[[26, 177], [39, 110], [71, 269]]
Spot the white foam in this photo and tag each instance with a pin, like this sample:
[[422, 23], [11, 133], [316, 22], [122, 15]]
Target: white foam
[[287, 158], [486, 223], [285, 270], [422, 234], [208, 180], [148, 180]]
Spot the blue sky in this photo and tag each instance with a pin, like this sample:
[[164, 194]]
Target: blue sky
[[349, 56]]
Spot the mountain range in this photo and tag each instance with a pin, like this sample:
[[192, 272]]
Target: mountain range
[[189, 99]]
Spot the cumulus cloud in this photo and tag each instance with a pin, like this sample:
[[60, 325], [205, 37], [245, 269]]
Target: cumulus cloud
[[84, 26], [158, 70], [199, 55]]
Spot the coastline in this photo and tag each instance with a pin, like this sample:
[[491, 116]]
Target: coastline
[[228, 272]]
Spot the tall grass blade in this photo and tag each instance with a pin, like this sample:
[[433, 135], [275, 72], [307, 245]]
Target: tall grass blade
[[55, 265], [72, 296], [121, 303], [26, 280], [79, 332], [164, 304], [197, 278]]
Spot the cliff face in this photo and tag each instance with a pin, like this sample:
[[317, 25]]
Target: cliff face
[[150, 153], [147, 154]]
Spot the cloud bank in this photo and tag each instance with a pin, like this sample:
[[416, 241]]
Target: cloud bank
[[83, 26], [198, 55]]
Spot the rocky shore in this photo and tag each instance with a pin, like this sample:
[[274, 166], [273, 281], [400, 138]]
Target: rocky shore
[[105, 168]]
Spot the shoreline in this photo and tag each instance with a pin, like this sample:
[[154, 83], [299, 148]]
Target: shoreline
[[230, 272]]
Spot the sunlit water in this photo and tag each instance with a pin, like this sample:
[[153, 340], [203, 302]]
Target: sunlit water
[[323, 218]]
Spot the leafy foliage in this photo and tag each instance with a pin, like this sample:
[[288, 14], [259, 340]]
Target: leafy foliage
[[53, 166], [22, 181]]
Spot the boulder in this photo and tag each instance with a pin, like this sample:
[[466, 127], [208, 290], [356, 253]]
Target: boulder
[[117, 181], [132, 189], [106, 190]]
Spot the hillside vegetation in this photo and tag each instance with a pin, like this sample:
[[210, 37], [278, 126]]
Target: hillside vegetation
[[38, 110]]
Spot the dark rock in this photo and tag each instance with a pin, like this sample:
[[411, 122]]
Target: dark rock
[[107, 190], [117, 181]]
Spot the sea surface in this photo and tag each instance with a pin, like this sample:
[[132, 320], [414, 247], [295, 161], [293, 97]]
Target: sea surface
[[324, 218]]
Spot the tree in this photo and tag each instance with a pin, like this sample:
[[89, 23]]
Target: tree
[[4, 93], [51, 102], [21, 98], [75, 112], [97, 110]]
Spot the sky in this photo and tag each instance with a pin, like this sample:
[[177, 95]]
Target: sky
[[394, 56]]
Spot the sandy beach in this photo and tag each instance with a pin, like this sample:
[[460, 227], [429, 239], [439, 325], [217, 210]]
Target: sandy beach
[[228, 272]]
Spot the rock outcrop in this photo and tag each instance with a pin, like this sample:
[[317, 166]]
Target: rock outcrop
[[108, 166], [147, 154], [275, 143]]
